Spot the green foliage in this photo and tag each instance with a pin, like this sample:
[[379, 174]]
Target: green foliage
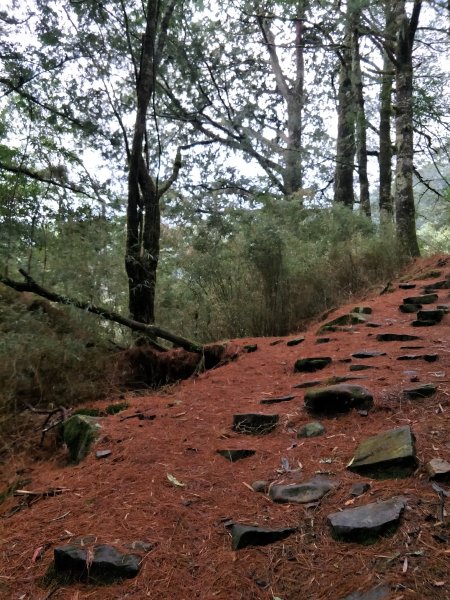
[[281, 266]]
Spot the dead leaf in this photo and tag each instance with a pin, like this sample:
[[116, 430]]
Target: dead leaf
[[405, 565], [174, 481], [438, 583]]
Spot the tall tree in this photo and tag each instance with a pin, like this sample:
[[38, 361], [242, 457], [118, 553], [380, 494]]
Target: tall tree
[[404, 195]]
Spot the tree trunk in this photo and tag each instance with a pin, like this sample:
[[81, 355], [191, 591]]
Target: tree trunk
[[361, 124], [143, 211], [345, 144], [386, 204], [404, 196]]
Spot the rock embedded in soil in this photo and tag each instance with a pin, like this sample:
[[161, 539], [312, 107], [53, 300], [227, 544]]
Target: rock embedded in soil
[[379, 592], [426, 357], [362, 367], [362, 310], [336, 399], [420, 391], [107, 564], [313, 429], [386, 455], [295, 341], [364, 524], [358, 489], [103, 453], [407, 286], [277, 400], [260, 486], [310, 365], [396, 337], [323, 340], [79, 433], [248, 535], [438, 469], [437, 285], [250, 348], [336, 324], [302, 493], [424, 299], [254, 423], [431, 315], [308, 384], [234, 455], [409, 308], [368, 354]]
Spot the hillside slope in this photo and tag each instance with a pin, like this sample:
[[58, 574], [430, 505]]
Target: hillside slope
[[165, 486]]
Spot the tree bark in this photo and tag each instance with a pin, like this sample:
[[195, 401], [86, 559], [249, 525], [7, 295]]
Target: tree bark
[[144, 193], [404, 196], [361, 124], [386, 203], [29, 285], [346, 109]]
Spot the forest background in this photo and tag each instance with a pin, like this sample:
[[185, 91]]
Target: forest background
[[224, 171]]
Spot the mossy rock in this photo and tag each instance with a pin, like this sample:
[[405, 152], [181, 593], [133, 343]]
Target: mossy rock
[[88, 412], [113, 409], [79, 433]]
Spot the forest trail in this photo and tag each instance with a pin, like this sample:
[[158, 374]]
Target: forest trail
[[166, 489]]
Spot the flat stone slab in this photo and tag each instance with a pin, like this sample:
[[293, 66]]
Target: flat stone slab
[[438, 469], [353, 318], [435, 315], [368, 354], [358, 489], [387, 455], [248, 535], [423, 323], [302, 493], [311, 430], [409, 308], [407, 286], [426, 357], [339, 398], [379, 592], [423, 299], [107, 564], [362, 367], [234, 455], [438, 285], [367, 523], [254, 423], [277, 400], [421, 391], [295, 341], [310, 365], [397, 337]]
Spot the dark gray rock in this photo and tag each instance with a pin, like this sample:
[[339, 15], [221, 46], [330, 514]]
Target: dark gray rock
[[380, 592], [368, 354], [435, 315], [386, 455], [358, 489], [426, 357], [438, 469], [407, 286], [421, 391], [254, 423], [409, 308], [248, 535], [309, 384], [424, 299], [106, 565], [277, 400], [302, 493], [367, 523], [250, 348], [260, 486], [438, 285], [362, 367], [396, 337], [295, 341], [343, 320], [311, 430], [310, 365], [323, 340], [422, 323], [335, 399], [234, 455], [373, 324]]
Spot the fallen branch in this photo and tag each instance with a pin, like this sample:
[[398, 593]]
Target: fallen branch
[[29, 285]]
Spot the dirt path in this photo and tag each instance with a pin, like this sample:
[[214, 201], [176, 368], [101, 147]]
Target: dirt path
[[128, 497]]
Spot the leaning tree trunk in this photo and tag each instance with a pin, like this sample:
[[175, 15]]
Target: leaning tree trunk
[[404, 196], [345, 144], [143, 211], [386, 204]]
